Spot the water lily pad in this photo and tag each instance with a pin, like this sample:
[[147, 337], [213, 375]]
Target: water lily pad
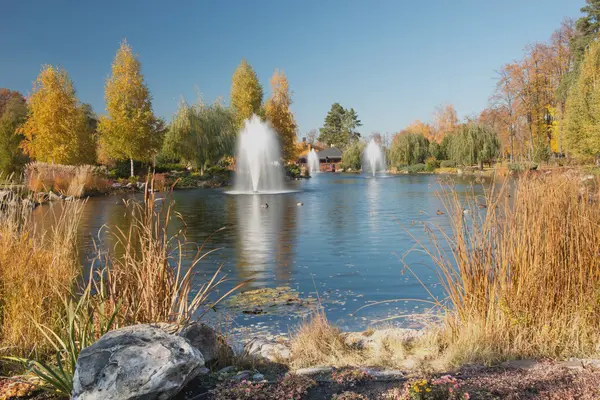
[[281, 300]]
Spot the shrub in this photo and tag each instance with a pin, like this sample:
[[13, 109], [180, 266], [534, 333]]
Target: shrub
[[431, 164], [444, 388], [293, 171], [416, 168], [448, 164]]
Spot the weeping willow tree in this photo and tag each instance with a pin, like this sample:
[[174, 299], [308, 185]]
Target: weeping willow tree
[[201, 134], [473, 144]]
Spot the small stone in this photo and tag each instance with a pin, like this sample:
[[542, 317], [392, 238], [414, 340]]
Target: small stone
[[258, 377], [386, 374], [314, 370], [226, 370], [521, 364], [241, 376], [203, 371]]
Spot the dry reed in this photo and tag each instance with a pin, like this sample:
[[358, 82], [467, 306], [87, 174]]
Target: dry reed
[[521, 270], [68, 180], [36, 269]]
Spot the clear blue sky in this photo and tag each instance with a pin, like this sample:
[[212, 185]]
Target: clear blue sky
[[393, 60]]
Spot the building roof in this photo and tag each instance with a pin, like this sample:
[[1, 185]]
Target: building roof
[[330, 152]]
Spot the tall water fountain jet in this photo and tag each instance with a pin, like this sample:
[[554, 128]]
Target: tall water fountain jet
[[374, 158], [313, 161], [258, 167]]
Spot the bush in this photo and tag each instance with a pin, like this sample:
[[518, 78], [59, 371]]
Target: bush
[[293, 171], [448, 164], [431, 164], [416, 168]]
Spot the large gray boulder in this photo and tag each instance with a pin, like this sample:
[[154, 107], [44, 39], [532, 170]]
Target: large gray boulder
[[136, 362]]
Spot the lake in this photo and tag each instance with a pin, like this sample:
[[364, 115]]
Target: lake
[[344, 244]]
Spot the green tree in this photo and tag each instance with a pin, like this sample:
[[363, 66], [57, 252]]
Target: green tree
[[13, 113], [130, 131], [201, 134], [582, 130], [408, 148], [340, 126], [352, 156], [278, 113], [246, 93], [56, 127], [474, 143]]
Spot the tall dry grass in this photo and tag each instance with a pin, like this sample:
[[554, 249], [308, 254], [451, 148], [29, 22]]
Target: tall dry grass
[[145, 274], [68, 180], [522, 275], [36, 269]]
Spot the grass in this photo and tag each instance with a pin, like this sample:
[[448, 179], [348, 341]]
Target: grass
[[69, 180], [46, 308], [522, 278], [36, 269]]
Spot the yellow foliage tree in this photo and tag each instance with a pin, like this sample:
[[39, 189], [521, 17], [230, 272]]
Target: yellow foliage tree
[[56, 129], [246, 92], [130, 130], [278, 113]]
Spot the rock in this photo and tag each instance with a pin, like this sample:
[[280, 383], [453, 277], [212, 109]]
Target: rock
[[386, 374], [139, 361], [520, 364], [314, 370], [53, 196], [226, 370], [203, 371], [70, 198], [204, 338], [258, 377], [241, 376], [380, 337], [140, 185], [116, 185], [267, 349]]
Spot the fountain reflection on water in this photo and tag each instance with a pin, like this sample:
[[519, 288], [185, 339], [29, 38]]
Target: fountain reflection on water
[[374, 158], [258, 166], [313, 161]]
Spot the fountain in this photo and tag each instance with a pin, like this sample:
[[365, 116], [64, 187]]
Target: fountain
[[374, 158], [313, 161], [258, 167]]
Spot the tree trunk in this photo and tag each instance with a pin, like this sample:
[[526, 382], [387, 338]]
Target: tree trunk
[[201, 169], [131, 163]]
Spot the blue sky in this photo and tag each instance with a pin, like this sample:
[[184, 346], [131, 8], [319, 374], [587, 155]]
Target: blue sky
[[392, 61]]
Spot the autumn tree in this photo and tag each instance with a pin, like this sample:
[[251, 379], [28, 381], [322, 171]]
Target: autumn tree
[[56, 128], [13, 112], [201, 134], [278, 113], [246, 93], [422, 128], [340, 127], [130, 131], [582, 132], [445, 120]]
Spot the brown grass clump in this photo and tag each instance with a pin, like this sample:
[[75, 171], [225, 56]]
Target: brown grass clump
[[144, 274], [521, 271], [36, 269], [68, 180], [317, 342]]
